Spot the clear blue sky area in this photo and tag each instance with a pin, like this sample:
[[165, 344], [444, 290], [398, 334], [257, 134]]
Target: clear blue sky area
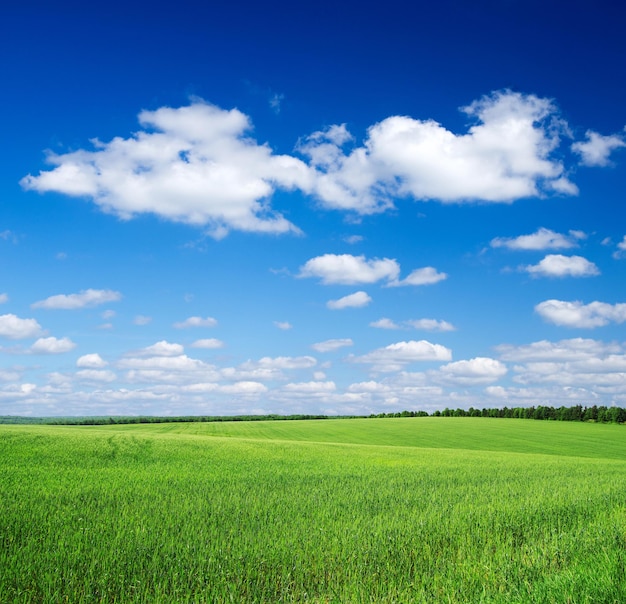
[[311, 208]]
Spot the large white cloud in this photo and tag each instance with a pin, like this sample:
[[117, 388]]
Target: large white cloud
[[480, 370], [395, 356], [542, 239], [557, 265], [192, 164], [577, 314], [505, 156], [11, 326], [597, 149], [85, 298]]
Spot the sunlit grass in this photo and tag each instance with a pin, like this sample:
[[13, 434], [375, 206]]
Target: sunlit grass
[[304, 511]]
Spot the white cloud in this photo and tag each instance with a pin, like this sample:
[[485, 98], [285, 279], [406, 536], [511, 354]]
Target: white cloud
[[330, 345], [421, 276], [577, 314], [208, 343], [480, 370], [91, 361], [384, 323], [85, 298], [96, 375], [142, 320], [557, 265], [284, 325], [596, 150], [542, 239], [395, 356], [621, 249], [505, 156], [196, 322], [346, 269], [108, 314], [4, 298], [355, 300], [52, 346], [162, 349], [192, 164], [310, 388], [573, 349], [431, 325], [11, 326]]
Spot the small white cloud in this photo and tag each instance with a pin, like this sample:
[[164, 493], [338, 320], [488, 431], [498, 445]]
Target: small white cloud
[[346, 269], [573, 349], [430, 325], [85, 298], [208, 343], [577, 314], [142, 320], [108, 314], [621, 249], [4, 298], [91, 361], [196, 322], [421, 276], [353, 239], [557, 265], [275, 102], [15, 328], [395, 356], [52, 346], [597, 149], [384, 323], [355, 300], [284, 325], [330, 345], [162, 349], [542, 239]]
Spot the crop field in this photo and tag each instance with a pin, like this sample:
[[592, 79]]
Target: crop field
[[453, 510]]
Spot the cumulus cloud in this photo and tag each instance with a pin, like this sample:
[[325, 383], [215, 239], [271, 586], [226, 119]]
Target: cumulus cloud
[[196, 322], [421, 276], [596, 150], [504, 156], [208, 343], [395, 356], [345, 269], [91, 361], [11, 326], [83, 299], [193, 164], [577, 314], [330, 345], [52, 346], [542, 239], [162, 349], [557, 265], [480, 370], [355, 300]]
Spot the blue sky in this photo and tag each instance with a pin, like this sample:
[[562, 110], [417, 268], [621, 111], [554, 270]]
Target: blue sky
[[322, 208]]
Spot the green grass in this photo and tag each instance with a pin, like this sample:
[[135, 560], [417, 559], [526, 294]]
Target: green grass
[[454, 510]]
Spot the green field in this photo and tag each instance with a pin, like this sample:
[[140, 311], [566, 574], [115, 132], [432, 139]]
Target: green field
[[456, 510]]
